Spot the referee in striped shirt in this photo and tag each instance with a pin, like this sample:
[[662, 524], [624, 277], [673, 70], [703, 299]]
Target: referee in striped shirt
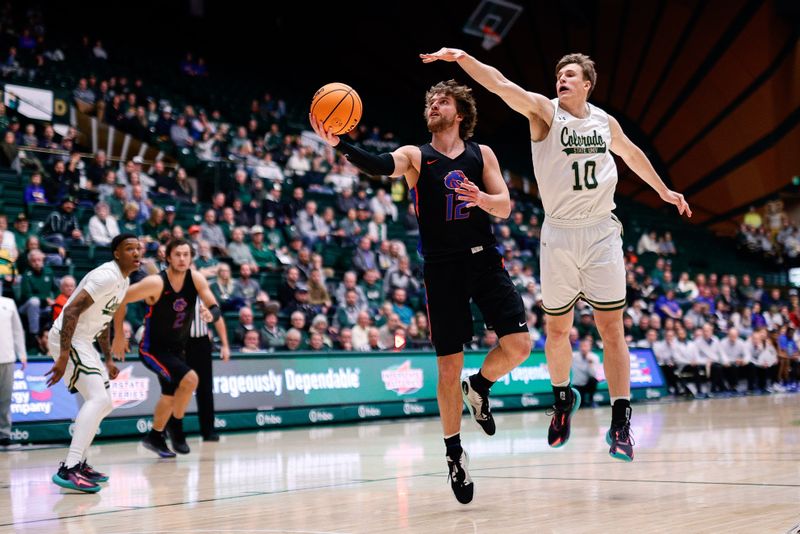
[[198, 356]]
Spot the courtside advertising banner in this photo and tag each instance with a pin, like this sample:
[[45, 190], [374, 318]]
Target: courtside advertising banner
[[298, 381]]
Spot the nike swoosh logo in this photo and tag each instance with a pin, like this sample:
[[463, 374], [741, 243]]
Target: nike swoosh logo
[[431, 161], [523, 323]]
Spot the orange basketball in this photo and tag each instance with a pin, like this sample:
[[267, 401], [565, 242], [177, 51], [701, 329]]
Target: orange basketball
[[337, 106]]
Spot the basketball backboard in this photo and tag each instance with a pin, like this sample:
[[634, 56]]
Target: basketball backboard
[[492, 20]]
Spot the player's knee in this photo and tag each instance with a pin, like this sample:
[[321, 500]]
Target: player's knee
[[190, 381], [108, 404], [516, 346], [558, 332]]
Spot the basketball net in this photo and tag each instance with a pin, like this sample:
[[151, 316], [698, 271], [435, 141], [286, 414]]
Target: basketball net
[[490, 38]]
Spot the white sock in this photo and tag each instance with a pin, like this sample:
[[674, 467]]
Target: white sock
[[614, 399], [97, 404], [563, 384]]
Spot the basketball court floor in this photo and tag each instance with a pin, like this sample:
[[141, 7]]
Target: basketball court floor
[[722, 465]]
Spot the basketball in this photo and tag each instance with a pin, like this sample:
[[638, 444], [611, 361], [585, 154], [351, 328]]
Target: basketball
[[337, 106]]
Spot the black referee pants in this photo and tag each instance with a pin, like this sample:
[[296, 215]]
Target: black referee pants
[[198, 356]]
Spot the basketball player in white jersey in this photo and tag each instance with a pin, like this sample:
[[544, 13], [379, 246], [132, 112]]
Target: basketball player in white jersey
[[581, 245], [85, 318]]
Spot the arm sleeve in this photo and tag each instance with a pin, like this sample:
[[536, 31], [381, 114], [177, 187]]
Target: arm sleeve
[[372, 164]]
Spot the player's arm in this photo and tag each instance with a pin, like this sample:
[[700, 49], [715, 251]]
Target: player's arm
[[104, 340], [495, 200], [403, 161], [71, 314], [149, 287], [532, 105], [634, 158]]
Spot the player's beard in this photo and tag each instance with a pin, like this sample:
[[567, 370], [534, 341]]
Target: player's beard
[[440, 123]]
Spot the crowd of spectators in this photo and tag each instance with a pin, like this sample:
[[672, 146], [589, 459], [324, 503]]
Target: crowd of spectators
[[771, 236], [266, 229]]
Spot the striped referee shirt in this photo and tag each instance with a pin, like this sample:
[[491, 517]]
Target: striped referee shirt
[[199, 327]]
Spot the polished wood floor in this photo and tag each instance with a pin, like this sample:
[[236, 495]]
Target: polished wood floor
[[722, 465]]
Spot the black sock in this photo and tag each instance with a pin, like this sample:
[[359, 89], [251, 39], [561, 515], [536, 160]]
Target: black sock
[[563, 396], [156, 433], [621, 412], [480, 383], [453, 444]]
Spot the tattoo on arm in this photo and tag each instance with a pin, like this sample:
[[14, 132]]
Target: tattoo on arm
[[71, 315], [104, 340]]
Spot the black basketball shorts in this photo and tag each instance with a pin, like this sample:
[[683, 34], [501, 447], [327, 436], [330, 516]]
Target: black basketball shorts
[[479, 277], [169, 365]]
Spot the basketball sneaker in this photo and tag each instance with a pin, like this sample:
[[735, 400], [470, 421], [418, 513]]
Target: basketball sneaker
[[72, 478], [459, 478], [478, 404], [91, 474], [620, 438], [155, 442], [558, 433], [177, 436]]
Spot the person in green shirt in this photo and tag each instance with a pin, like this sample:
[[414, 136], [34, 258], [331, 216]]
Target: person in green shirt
[[205, 262], [372, 285], [273, 236], [22, 231], [264, 257], [38, 290], [129, 223]]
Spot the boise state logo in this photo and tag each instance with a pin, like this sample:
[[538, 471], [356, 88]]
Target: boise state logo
[[453, 179], [180, 305]]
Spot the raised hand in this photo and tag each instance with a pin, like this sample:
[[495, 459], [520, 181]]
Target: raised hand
[[443, 54], [319, 128]]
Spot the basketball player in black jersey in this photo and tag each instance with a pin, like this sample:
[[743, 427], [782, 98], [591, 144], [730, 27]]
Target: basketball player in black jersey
[[170, 296], [457, 185]]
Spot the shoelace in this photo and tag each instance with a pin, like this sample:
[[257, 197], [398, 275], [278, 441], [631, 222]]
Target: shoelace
[[624, 433], [560, 414]]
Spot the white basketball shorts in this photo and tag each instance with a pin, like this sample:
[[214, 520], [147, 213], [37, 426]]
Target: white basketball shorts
[[83, 360], [582, 259]]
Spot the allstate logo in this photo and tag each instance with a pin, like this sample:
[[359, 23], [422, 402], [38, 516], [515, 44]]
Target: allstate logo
[[180, 305], [402, 379], [453, 179], [528, 400]]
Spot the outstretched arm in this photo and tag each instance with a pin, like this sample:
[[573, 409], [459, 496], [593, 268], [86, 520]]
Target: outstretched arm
[[149, 287], [402, 162], [532, 105], [634, 158]]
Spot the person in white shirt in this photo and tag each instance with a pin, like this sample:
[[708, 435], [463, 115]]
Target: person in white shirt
[[669, 355], [12, 346], [765, 359], [585, 365], [7, 240], [737, 352], [85, 319], [716, 362], [103, 226], [688, 362]]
